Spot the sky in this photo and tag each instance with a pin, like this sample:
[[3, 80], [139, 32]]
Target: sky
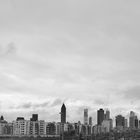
[[83, 53]]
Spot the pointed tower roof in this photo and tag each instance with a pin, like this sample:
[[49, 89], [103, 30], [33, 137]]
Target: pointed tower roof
[[63, 106]]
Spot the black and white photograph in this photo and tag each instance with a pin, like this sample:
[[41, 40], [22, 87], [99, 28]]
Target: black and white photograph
[[69, 69]]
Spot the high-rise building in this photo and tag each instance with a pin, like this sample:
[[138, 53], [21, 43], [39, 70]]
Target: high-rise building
[[133, 121], [50, 129], [139, 124], [21, 126], [90, 121], [126, 123], [100, 116], [120, 121], [136, 123], [63, 114], [86, 116], [34, 125], [42, 127], [107, 125], [58, 128], [34, 117], [107, 115], [3, 125]]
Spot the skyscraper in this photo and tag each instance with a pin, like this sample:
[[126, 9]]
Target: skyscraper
[[126, 123], [136, 123], [90, 121], [34, 117], [120, 121], [63, 114], [107, 115], [85, 116], [133, 120], [100, 116]]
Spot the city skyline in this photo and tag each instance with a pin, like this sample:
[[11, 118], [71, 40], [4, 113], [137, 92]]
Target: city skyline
[[101, 116], [104, 128], [82, 53]]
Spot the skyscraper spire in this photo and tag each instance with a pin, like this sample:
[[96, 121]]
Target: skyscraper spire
[[63, 113]]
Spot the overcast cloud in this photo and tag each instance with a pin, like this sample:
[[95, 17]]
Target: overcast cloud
[[83, 53]]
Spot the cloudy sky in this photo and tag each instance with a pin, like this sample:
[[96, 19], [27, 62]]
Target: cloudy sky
[[83, 53]]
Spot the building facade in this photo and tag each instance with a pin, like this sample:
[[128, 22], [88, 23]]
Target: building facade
[[63, 114], [100, 116], [85, 116]]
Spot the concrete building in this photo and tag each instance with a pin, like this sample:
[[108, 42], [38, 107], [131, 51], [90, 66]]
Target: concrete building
[[63, 114], [34, 117], [120, 122], [42, 127], [34, 128], [21, 126], [58, 128], [107, 115], [50, 129], [107, 125], [98, 129], [86, 116], [136, 123], [100, 116], [90, 121], [3, 124], [66, 127], [133, 121], [83, 129], [126, 123]]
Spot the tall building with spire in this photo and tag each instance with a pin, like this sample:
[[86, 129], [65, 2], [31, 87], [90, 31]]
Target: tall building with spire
[[63, 113]]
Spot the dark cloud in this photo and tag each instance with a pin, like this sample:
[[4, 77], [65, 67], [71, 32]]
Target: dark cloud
[[56, 102], [26, 105], [30, 105]]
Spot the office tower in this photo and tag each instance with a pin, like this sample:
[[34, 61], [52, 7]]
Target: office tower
[[34, 117], [86, 116], [63, 114], [90, 121], [21, 126], [34, 128], [107, 115], [107, 124], [136, 123], [42, 127], [120, 121], [100, 116], [133, 120], [50, 129], [19, 118], [126, 123]]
